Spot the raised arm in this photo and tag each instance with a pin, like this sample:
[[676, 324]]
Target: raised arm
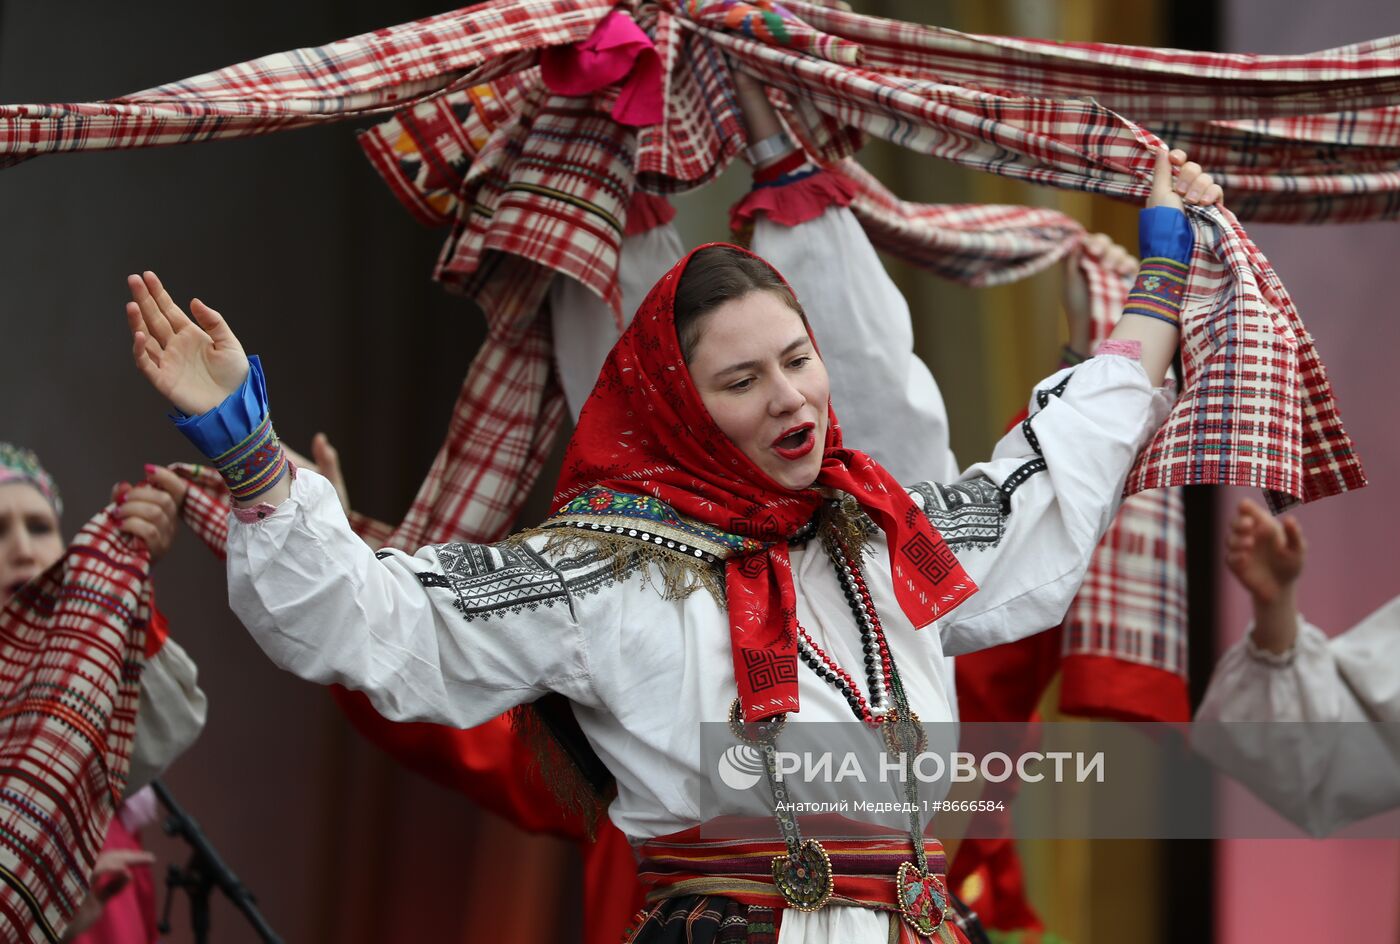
[[1030, 519], [1320, 775], [854, 307], [455, 634], [199, 365], [1153, 325]]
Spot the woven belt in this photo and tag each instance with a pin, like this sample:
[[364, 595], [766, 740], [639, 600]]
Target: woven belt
[[865, 862]]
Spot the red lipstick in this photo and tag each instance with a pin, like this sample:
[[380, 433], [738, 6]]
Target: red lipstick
[[796, 442]]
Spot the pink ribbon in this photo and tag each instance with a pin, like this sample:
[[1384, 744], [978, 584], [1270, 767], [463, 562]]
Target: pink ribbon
[[616, 51]]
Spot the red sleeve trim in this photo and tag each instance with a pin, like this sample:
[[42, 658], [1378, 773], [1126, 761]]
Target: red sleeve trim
[[790, 204], [157, 630], [780, 168], [646, 211], [1105, 687]]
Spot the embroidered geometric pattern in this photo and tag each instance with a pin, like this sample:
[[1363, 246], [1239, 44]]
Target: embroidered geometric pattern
[[934, 560], [1030, 435], [1159, 290], [495, 580], [1042, 397], [650, 520], [255, 465], [1018, 478], [766, 668], [970, 515], [708, 918]]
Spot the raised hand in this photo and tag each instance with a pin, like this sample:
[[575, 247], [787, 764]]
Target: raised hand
[[195, 363], [1192, 184], [1265, 556]]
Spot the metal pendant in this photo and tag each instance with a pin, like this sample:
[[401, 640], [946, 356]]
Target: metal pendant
[[904, 733], [754, 732], [923, 899], [805, 879]]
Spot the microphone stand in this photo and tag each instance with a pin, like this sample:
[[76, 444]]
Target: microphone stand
[[204, 872]]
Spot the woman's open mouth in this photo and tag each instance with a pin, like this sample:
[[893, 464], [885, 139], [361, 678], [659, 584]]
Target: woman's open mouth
[[796, 442]]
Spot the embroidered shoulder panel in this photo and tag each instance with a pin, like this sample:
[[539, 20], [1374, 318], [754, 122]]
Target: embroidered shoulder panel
[[501, 579], [651, 521], [970, 515]]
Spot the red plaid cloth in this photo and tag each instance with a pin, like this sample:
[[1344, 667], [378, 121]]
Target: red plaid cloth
[[369, 74], [976, 244], [502, 428], [71, 652], [1124, 642], [1123, 639], [534, 184], [551, 180]]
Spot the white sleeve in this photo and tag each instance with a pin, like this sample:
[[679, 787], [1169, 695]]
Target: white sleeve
[[585, 328], [169, 716], [455, 634], [1025, 524], [1303, 684], [1318, 774], [863, 329]]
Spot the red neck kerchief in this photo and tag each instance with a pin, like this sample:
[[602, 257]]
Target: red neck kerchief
[[645, 431]]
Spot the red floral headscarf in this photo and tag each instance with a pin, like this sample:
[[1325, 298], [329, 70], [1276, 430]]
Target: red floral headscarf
[[645, 430]]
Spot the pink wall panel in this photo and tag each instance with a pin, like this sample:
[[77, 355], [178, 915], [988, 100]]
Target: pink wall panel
[[1342, 280]]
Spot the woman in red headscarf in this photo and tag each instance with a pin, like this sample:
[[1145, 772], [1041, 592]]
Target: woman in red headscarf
[[716, 553]]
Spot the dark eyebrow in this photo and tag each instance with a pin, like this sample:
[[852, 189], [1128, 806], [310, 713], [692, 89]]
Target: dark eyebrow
[[750, 365]]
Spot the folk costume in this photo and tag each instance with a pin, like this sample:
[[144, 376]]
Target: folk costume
[[621, 624], [1314, 774], [98, 701]]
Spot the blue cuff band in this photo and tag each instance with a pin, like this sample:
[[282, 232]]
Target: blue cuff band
[[1164, 233], [216, 432]]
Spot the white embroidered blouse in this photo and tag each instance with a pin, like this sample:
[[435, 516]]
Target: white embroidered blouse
[[457, 634]]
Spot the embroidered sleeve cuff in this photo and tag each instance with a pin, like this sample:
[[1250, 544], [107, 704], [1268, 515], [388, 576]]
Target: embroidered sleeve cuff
[[232, 422], [1164, 232], [1114, 347], [1159, 291], [251, 514]]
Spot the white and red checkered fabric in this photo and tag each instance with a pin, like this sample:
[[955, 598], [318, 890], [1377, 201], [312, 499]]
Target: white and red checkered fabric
[[550, 179], [534, 184], [72, 647], [1132, 604], [369, 74]]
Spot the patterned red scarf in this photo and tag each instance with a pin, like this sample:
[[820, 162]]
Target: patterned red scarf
[[644, 430]]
